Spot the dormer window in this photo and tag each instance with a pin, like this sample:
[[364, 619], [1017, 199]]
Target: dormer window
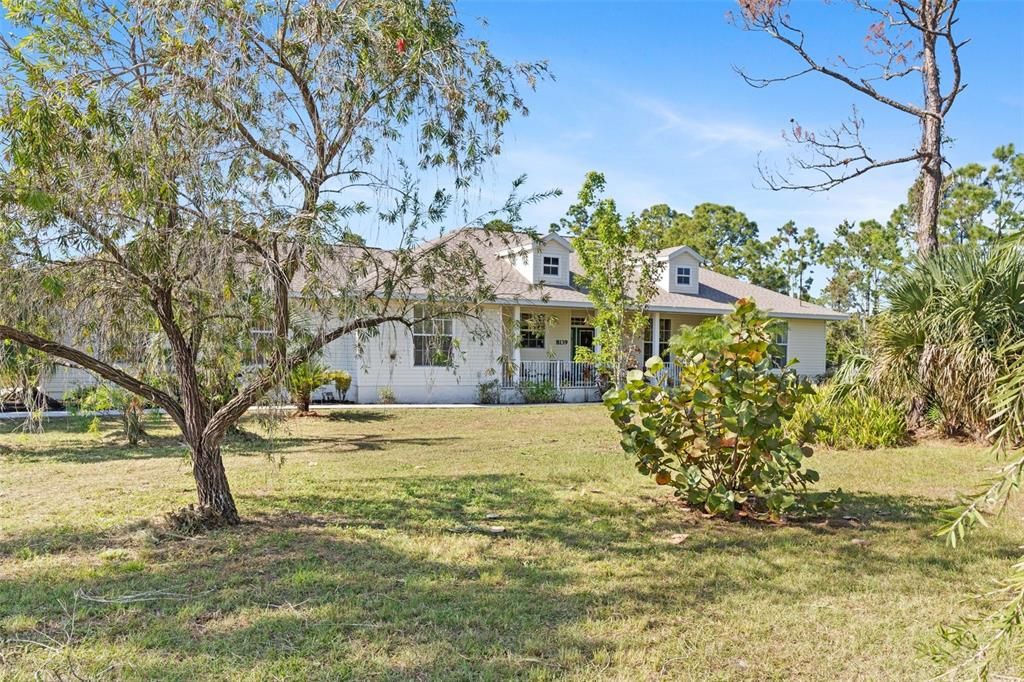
[[683, 276], [551, 265]]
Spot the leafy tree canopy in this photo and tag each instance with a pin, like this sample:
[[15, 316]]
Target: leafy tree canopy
[[619, 259], [172, 173]]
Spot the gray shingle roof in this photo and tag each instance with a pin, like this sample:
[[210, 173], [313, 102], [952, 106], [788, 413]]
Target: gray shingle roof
[[716, 295], [717, 291]]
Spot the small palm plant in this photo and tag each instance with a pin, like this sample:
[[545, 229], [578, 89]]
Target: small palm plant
[[955, 333], [305, 378]]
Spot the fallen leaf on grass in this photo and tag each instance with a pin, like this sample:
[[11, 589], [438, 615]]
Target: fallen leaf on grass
[[678, 538]]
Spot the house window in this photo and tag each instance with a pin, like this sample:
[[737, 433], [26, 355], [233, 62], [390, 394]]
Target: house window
[[780, 351], [551, 265], [431, 339], [683, 274], [664, 334], [531, 330]]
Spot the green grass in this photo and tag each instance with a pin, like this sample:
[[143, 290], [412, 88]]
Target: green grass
[[365, 556]]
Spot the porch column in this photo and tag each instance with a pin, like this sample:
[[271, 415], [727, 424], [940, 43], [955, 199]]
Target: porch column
[[655, 335], [517, 357]]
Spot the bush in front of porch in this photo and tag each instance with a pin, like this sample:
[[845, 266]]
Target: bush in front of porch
[[716, 437]]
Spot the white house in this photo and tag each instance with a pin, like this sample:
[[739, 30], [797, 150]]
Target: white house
[[530, 330]]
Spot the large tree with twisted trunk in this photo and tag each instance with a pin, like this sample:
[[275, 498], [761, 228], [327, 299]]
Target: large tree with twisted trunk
[[905, 39], [176, 175]]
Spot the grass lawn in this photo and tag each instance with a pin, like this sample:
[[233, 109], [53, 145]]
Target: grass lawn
[[366, 555]]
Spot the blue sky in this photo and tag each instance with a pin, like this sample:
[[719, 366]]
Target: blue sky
[[646, 93]]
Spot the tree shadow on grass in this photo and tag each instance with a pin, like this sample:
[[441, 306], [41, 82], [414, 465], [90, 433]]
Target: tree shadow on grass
[[340, 444], [399, 578], [245, 444], [299, 599], [352, 416], [99, 451]]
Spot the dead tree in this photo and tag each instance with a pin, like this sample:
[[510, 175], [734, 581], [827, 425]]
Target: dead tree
[[907, 39]]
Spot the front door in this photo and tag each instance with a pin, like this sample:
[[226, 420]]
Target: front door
[[582, 337]]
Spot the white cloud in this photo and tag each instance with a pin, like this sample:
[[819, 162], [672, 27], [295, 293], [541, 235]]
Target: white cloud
[[710, 131]]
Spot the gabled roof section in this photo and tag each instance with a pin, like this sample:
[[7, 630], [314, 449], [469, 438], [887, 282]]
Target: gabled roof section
[[673, 251], [716, 295], [558, 239], [521, 241]]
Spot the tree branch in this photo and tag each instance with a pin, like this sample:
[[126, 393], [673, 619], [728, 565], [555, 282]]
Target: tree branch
[[247, 396], [766, 23], [98, 367]]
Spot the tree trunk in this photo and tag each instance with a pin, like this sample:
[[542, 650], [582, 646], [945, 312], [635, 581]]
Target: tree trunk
[[930, 195], [212, 484], [931, 146]]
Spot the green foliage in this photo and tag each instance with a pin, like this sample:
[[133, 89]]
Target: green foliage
[[104, 397], [305, 378], [342, 381], [620, 265], [851, 422], [717, 437], [729, 242], [23, 369], [171, 211], [716, 232], [797, 253], [540, 391], [386, 395], [983, 204], [952, 329], [863, 258], [978, 641], [489, 392]]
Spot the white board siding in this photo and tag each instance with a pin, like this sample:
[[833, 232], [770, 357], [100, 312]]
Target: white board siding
[[807, 344], [387, 361], [556, 329], [668, 274], [64, 379], [558, 251], [387, 358]]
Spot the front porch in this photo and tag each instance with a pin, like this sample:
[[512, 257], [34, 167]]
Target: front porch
[[574, 382], [540, 345]]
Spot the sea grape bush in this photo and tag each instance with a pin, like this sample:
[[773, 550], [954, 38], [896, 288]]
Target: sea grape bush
[[716, 436]]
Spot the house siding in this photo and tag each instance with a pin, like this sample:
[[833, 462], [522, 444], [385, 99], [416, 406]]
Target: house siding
[[341, 354], [386, 358], [387, 361], [668, 274], [807, 344], [64, 379], [556, 250]]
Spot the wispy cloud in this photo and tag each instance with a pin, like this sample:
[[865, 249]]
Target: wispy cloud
[[707, 130]]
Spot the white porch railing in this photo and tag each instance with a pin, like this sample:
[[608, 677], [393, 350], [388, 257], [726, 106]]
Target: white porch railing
[[669, 375], [560, 373], [565, 374]]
